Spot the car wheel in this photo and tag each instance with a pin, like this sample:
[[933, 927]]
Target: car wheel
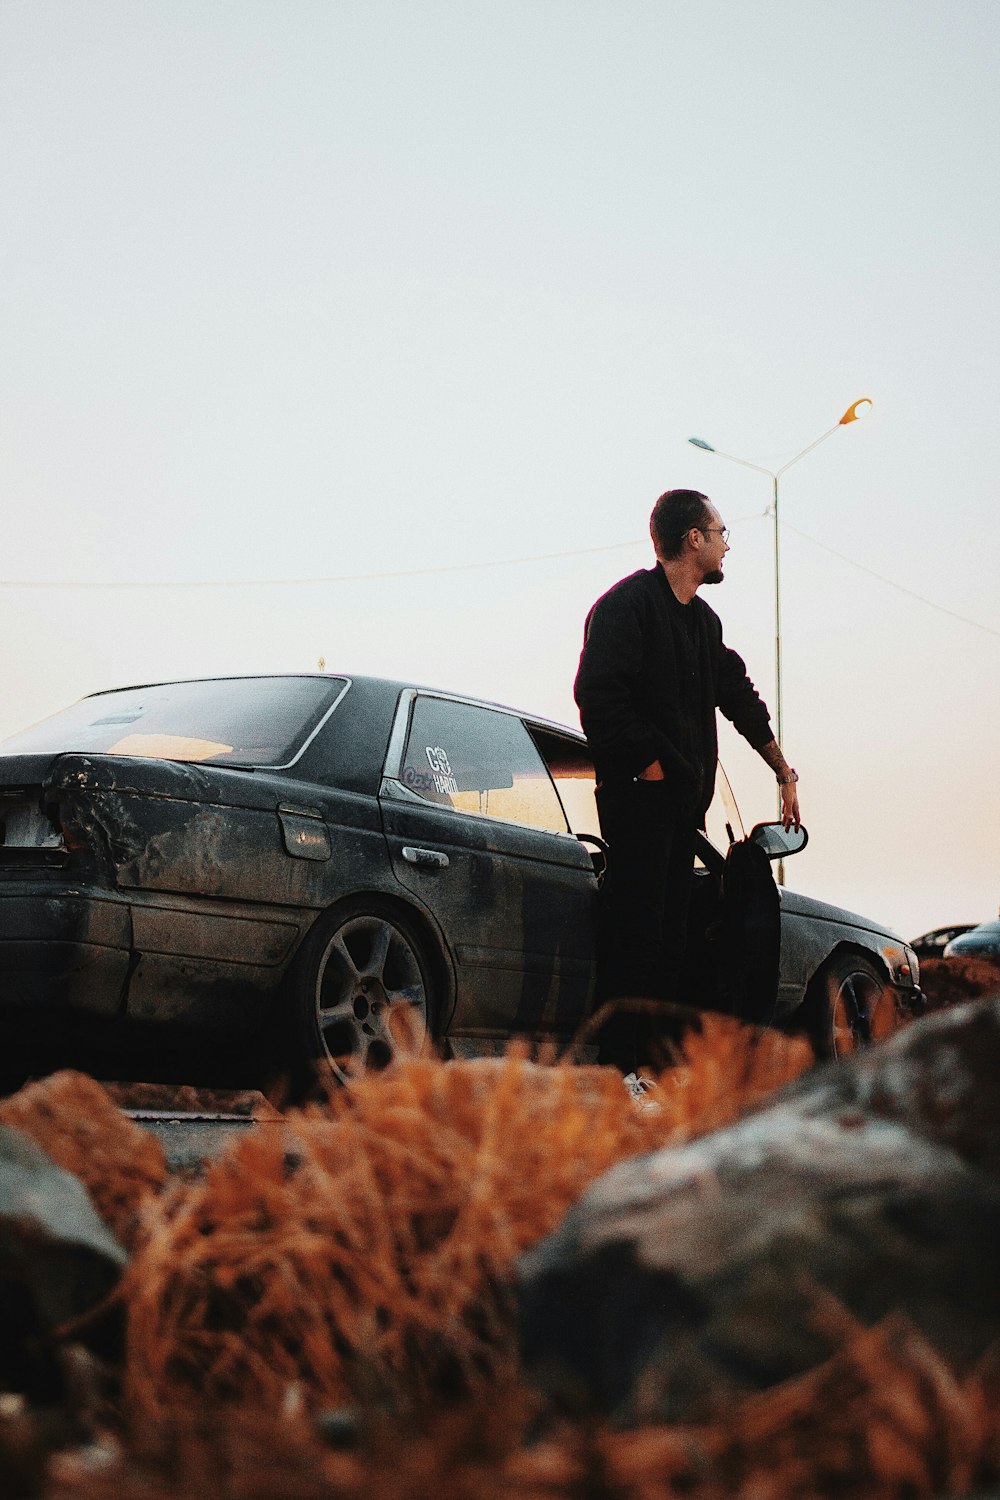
[[364, 990], [852, 1004]]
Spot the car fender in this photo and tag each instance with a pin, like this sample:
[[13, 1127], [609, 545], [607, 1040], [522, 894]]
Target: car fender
[[811, 933]]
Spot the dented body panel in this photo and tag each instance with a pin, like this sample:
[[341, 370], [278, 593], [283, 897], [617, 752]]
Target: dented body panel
[[208, 879]]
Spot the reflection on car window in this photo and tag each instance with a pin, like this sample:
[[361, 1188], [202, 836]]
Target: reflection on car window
[[250, 721], [572, 769], [479, 761]]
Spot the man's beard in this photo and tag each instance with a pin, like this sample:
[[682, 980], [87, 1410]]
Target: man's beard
[[714, 577]]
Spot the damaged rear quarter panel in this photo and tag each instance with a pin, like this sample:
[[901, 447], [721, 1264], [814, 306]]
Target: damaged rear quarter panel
[[217, 833], [220, 892]]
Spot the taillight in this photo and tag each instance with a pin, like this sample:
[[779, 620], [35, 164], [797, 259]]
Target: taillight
[[25, 823]]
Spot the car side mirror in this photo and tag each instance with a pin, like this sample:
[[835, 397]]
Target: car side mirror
[[777, 841]]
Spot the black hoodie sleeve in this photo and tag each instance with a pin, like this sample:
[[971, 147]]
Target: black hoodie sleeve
[[608, 689], [739, 700]]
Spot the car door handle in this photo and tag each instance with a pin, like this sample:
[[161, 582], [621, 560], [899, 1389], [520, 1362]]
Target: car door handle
[[428, 859]]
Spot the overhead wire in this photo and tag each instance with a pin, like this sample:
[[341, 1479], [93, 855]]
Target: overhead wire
[[891, 582], [280, 583], [438, 569]]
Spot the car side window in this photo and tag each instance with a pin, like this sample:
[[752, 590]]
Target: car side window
[[571, 767], [479, 761]]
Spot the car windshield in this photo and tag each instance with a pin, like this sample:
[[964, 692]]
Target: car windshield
[[248, 721]]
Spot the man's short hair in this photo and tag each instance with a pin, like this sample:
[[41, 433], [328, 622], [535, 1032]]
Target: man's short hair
[[674, 514]]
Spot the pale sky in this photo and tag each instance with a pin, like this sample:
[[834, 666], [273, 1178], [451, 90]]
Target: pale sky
[[314, 291]]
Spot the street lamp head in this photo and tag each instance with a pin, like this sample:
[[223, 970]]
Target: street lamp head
[[856, 411], [700, 443]]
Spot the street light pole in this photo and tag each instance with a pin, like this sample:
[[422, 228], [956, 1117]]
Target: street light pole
[[856, 410], [777, 625]]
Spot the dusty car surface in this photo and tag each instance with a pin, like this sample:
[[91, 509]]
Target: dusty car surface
[[335, 867]]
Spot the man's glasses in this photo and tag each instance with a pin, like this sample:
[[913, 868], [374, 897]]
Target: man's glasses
[[722, 530]]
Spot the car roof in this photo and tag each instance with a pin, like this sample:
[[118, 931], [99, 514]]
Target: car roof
[[391, 686]]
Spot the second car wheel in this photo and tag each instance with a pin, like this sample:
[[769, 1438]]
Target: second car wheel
[[852, 1003], [363, 990]]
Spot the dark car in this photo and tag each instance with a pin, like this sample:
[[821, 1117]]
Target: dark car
[[331, 867], [932, 944], [976, 942]]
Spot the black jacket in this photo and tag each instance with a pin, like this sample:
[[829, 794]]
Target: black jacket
[[652, 673]]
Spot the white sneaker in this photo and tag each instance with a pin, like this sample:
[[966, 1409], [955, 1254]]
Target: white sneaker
[[639, 1088]]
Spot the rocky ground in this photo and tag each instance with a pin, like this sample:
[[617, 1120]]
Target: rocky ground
[[760, 1280]]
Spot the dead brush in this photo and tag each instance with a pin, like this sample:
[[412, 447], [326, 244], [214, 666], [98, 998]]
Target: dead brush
[[725, 1068], [954, 981], [883, 1419], [361, 1253], [76, 1123], [365, 1248]]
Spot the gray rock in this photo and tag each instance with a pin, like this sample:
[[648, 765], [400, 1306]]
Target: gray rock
[[57, 1261], [686, 1277], [940, 1078]]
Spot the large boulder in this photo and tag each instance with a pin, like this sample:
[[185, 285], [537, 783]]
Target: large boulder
[[728, 1264], [57, 1261]]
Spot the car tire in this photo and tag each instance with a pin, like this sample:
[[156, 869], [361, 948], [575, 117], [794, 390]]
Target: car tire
[[363, 991], [851, 1004]]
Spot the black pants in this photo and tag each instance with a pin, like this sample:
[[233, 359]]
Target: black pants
[[644, 905]]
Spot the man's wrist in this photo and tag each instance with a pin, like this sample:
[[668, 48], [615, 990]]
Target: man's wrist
[[789, 778]]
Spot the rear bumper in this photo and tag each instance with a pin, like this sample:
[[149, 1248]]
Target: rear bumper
[[76, 949], [64, 949]]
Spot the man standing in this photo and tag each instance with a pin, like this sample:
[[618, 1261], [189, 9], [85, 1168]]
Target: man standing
[[653, 671]]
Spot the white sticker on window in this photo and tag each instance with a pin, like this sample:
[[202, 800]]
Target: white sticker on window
[[440, 765]]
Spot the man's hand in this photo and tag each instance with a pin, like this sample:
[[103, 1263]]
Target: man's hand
[[790, 805], [651, 773]]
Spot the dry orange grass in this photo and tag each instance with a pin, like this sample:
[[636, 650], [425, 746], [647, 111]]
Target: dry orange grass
[[725, 1069], [366, 1248], [883, 1419], [953, 981], [362, 1253], [76, 1123]]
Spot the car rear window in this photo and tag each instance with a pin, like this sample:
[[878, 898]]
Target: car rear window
[[249, 721]]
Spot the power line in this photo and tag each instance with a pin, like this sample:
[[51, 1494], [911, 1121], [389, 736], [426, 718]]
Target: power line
[[284, 583], [891, 582], [469, 567]]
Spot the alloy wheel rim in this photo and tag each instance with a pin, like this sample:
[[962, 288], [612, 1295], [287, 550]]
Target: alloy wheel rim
[[370, 997], [863, 1011]]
